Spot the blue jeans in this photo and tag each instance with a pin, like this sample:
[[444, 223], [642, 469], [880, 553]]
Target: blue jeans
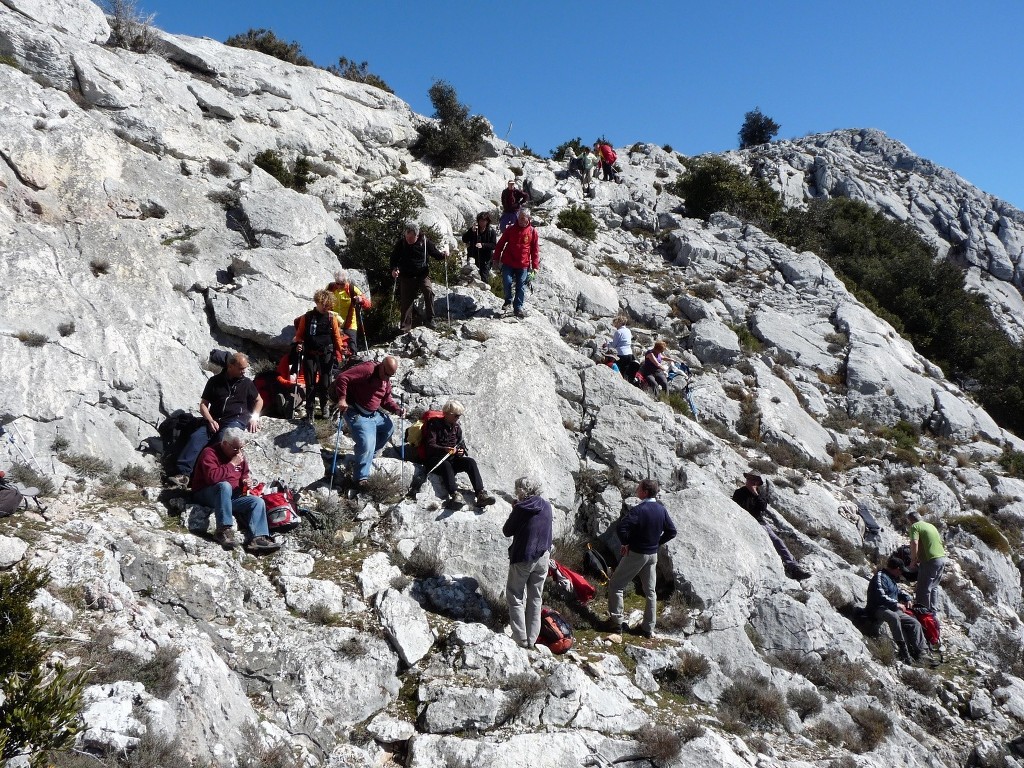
[[510, 275], [199, 440], [369, 434], [218, 498]]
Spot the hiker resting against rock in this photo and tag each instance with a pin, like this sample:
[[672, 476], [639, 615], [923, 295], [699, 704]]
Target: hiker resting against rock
[[443, 440], [749, 497], [362, 392], [229, 399], [884, 600]]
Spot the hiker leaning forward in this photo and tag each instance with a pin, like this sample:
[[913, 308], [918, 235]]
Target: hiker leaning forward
[[411, 268], [362, 392]]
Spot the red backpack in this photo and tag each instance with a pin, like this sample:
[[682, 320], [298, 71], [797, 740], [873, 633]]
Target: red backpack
[[555, 631], [414, 436]]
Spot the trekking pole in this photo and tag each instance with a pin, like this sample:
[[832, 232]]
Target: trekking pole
[[366, 339], [10, 439], [334, 464], [29, 447], [401, 432], [447, 456], [447, 293]]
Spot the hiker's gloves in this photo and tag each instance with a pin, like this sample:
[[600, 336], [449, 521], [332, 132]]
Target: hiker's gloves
[[530, 275]]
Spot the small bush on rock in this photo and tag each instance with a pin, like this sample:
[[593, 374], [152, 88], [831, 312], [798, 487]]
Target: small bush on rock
[[659, 744], [457, 140], [753, 701], [982, 528], [688, 668], [577, 147], [804, 701], [31, 338], [265, 41], [358, 73], [579, 221], [86, 465], [129, 28], [711, 184]]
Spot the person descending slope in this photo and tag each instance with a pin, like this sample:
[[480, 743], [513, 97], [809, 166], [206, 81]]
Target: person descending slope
[[518, 252], [480, 240], [410, 267], [749, 497]]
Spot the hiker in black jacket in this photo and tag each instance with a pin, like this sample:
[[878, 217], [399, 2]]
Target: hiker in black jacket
[[480, 240], [884, 600], [446, 453], [409, 266], [749, 497], [642, 531]]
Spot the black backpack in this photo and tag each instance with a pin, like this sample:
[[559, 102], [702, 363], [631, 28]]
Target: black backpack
[[318, 340], [175, 431], [10, 498]]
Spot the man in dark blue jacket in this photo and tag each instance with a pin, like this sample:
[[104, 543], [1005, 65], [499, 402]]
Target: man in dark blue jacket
[[884, 599], [642, 531], [529, 525]]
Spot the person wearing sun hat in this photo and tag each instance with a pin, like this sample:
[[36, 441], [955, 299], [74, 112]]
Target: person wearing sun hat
[[749, 497]]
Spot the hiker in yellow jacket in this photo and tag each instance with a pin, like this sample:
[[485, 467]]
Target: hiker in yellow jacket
[[347, 301]]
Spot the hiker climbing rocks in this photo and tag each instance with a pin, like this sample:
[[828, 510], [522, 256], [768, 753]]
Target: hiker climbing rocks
[[348, 301], [220, 480], [518, 251], [410, 267], [654, 368], [587, 161], [480, 240], [512, 199], [446, 454], [642, 531], [319, 343], [928, 554], [608, 157], [573, 168], [749, 497], [362, 391], [229, 399], [883, 604], [622, 343], [529, 525]]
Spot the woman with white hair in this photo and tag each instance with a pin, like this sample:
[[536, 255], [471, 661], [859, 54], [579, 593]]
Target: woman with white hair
[[529, 525], [443, 440], [347, 301]]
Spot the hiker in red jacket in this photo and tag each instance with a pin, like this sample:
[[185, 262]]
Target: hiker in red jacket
[[608, 157], [518, 252]]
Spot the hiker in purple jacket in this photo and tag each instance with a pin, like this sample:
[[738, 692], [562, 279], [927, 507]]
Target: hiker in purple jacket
[[529, 525], [642, 531]]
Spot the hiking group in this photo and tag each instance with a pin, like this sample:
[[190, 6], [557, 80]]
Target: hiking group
[[320, 370]]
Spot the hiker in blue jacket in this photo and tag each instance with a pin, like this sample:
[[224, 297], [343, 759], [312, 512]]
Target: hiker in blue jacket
[[529, 525], [884, 600], [642, 531]]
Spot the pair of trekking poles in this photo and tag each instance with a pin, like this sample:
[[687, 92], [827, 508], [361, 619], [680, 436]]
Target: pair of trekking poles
[[447, 293]]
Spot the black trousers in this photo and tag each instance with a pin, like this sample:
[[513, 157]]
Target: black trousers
[[316, 370], [452, 466]]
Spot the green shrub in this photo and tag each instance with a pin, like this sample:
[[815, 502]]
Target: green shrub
[[457, 140], [983, 528], [129, 28], [28, 476], [40, 705], [578, 220], [686, 670], [359, 73], [1013, 462], [757, 128], [270, 161], [713, 184], [86, 465], [755, 702], [804, 701], [576, 144], [265, 41]]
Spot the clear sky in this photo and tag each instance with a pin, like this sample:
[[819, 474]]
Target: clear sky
[[945, 78]]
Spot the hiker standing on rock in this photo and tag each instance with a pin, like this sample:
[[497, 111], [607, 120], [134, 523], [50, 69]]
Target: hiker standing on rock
[[319, 343], [362, 391], [608, 157], [529, 525], [480, 240], [446, 449], [928, 554], [622, 343], [220, 480], [512, 199], [587, 161], [348, 299], [749, 497], [518, 252], [642, 531], [229, 399], [884, 601], [410, 267]]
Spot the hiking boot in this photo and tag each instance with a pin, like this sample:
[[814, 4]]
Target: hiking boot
[[484, 499], [179, 481], [520, 313], [431, 324], [264, 544], [506, 307], [453, 502], [225, 537], [797, 573], [904, 654]]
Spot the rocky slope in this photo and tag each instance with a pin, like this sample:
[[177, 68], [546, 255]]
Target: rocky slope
[[125, 184]]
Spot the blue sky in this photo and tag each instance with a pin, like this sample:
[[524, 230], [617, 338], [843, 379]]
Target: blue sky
[[945, 78]]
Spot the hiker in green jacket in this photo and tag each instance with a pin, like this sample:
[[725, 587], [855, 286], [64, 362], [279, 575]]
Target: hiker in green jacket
[[928, 554]]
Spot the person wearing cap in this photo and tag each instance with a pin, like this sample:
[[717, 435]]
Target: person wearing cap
[[518, 252], [883, 604], [611, 359], [749, 497], [512, 199], [409, 266], [929, 556], [480, 240]]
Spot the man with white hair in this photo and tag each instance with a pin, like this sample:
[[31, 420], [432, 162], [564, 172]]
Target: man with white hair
[[529, 525], [348, 299], [219, 481], [410, 267], [443, 440]]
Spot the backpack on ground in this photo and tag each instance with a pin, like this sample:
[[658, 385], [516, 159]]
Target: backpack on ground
[[10, 498], [555, 631], [595, 565], [929, 624], [282, 512], [175, 431], [414, 436], [571, 583]]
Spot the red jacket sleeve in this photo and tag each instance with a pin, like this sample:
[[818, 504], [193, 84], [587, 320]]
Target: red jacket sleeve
[[501, 245], [535, 250]]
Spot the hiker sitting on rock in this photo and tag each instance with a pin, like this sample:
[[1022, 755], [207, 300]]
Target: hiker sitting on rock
[[348, 300], [229, 399], [362, 391], [749, 497], [518, 252], [446, 452], [319, 343], [884, 601], [655, 368], [480, 240], [529, 525], [219, 481], [409, 266]]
